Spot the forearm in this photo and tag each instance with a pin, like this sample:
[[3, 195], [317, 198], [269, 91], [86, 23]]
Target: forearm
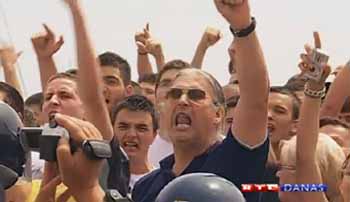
[[160, 61], [47, 68], [199, 55], [11, 77], [254, 89], [144, 66], [308, 127], [337, 94], [251, 70], [89, 83]]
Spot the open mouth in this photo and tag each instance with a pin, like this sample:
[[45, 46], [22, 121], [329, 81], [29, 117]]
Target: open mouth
[[270, 127], [130, 145], [183, 121]]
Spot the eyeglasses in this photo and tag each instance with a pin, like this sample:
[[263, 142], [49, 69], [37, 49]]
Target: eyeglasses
[[192, 94]]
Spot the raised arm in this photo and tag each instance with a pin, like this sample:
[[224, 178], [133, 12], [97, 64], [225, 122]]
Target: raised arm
[[308, 125], [89, 73], [210, 37], [144, 66], [45, 46], [337, 93], [9, 57], [252, 75]]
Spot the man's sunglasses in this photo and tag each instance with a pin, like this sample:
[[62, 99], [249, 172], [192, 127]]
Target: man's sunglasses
[[192, 94]]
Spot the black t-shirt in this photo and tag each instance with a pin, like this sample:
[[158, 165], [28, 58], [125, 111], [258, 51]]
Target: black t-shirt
[[228, 159]]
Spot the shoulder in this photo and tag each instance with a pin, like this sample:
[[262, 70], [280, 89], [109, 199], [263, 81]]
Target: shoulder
[[145, 182]]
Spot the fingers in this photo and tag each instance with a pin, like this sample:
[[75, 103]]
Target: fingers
[[49, 32], [147, 26], [73, 126], [64, 156], [317, 40], [308, 49], [64, 196], [58, 44]]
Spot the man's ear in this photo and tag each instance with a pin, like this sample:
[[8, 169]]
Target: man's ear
[[219, 115], [128, 90]]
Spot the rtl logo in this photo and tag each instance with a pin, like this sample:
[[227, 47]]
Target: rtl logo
[[260, 188]]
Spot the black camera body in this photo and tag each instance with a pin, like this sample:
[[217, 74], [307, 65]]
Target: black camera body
[[43, 140]]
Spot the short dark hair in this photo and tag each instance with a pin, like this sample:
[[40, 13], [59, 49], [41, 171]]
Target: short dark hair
[[324, 121], [35, 99], [295, 100], [136, 103], [149, 78], [173, 64], [346, 106], [112, 59], [12, 98], [232, 101], [296, 83]]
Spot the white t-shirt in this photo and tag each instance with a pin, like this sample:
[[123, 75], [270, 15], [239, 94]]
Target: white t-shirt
[[37, 166], [159, 149]]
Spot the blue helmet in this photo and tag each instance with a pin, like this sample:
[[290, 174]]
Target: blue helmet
[[200, 187]]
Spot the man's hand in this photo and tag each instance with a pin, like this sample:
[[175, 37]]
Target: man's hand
[[210, 37], [77, 172], [45, 43], [141, 38], [236, 12], [306, 64], [8, 56], [154, 47]]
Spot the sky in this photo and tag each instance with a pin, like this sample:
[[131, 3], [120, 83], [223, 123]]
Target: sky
[[283, 28]]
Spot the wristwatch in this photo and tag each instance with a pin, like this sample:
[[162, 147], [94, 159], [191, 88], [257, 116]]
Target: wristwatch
[[113, 195], [246, 31], [96, 149]]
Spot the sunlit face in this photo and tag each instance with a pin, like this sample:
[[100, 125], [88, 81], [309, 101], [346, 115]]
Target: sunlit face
[[148, 90], [114, 89], [61, 96], [134, 130], [280, 120], [337, 133], [229, 119], [191, 117], [163, 87]]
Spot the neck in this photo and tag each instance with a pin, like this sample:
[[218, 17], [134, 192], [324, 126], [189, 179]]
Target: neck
[[276, 149], [140, 166], [184, 154]]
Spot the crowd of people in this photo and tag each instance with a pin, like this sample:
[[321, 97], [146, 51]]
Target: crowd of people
[[144, 140]]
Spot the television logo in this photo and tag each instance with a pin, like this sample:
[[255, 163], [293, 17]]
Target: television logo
[[284, 188]]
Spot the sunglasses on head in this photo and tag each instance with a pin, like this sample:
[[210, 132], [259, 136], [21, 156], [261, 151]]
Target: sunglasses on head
[[192, 94]]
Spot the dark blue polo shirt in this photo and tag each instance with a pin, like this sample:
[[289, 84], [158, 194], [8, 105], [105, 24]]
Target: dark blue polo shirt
[[228, 159]]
